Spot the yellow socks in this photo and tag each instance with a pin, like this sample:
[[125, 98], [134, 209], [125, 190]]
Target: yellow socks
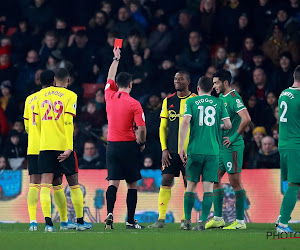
[[163, 201], [45, 199], [77, 200], [61, 202], [32, 200]]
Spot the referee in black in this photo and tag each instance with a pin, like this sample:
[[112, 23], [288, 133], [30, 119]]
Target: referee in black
[[126, 138]]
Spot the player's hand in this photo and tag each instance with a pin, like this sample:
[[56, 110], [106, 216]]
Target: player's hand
[[142, 148], [117, 52], [165, 159], [64, 155], [226, 142], [183, 156]]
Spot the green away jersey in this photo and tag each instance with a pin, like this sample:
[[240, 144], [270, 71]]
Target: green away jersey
[[234, 104], [206, 112], [289, 119]]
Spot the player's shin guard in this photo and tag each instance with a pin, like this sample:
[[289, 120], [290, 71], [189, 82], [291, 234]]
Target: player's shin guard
[[218, 202], [206, 205], [32, 200], [131, 205], [77, 200], [189, 199], [111, 195], [163, 201], [61, 202], [288, 203], [240, 197], [45, 200]]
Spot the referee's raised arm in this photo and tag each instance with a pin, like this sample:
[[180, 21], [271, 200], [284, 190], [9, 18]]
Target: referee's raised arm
[[114, 65]]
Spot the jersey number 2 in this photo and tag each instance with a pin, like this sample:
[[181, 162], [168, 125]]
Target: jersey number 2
[[55, 110], [283, 105], [209, 118]]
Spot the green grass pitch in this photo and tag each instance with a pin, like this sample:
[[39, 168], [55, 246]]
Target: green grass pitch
[[17, 236]]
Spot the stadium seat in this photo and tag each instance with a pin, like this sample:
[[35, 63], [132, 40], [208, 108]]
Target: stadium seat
[[11, 31], [77, 28], [89, 89]]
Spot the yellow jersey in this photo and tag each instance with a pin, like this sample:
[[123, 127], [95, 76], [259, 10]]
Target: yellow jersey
[[55, 109], [30, 125]]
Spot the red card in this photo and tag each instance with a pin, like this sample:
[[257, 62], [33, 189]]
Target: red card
[[118, 43]]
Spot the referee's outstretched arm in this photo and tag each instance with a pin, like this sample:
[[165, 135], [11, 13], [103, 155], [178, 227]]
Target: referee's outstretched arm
[[114, 65]]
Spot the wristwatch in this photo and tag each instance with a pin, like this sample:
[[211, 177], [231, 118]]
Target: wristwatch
[[117, 59]]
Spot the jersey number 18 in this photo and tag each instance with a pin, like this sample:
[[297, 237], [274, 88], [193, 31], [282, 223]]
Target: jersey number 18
[[207, 115]]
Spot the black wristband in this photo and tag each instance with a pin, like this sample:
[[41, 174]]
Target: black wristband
[[116, 59], [142, 144]]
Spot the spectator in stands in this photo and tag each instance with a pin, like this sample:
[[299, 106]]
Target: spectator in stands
[[7, 70], [100, 100], [220, 58], [294, 9], [97, 29], [254, 146], [233, 63], [195, 58], [102, 142], [55, 60], [50, 43], [253, 109], [23, 40], [40, 13], [8, 102], [267, 156], [182, 31], [91, 158], [267, 111], [14, 151], [81, 55], [63, 31], [262, 18], [125, 23], [142, 71], [247, 50], [209, 72], [239, 33], [278, 43], [19, 127], [94, 119], [260, 61], [26, 74], [36, 85], [148, 163], [276, 115], [260, 87], [135, 45], [106, 7], [4, 164], [166, 73], [152, 113], [275, 133], [79, 138], [138, 14], [3, 125], [205, 19], [288, 23], [103, 58], [159, 42], [282, 77]]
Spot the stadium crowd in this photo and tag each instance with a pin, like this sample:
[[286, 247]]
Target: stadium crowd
[[258, 41]]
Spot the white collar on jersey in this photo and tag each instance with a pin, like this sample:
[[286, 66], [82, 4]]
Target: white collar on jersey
[[229, 92], [294, 88]]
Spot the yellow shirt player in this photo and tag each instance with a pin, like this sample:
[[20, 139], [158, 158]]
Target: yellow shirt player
[[55, 109], [33, 150], [169, 132]]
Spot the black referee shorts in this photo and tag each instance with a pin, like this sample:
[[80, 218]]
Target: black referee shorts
[[33, 164], [122, 161], [48, 163]]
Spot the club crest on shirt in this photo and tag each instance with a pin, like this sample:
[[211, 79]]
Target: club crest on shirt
[[74, 105], [239, 103]]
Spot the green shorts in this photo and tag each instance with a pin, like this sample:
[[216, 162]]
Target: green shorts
[[289, 165], [205, 165], [231, 162]]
